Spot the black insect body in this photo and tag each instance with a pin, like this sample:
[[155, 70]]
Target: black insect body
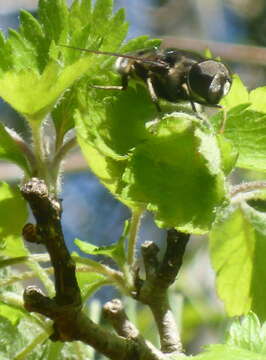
[[174, 75]]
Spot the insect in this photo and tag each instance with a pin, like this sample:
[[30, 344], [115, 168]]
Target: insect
[[173, 75]]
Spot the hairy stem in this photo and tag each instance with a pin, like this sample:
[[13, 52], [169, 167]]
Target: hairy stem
[[43, 276], [133, 233], [248, 186], [59, 157], [63, 150], [94, 266], [38, 147]]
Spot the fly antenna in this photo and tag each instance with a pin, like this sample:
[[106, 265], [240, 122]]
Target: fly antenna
[[138, 58]]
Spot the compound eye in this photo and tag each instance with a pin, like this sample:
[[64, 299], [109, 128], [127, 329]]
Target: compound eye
[[209, 81], [219, 87]]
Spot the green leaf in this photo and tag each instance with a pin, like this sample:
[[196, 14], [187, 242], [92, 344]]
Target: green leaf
[[35, 71], [10, 313], [229, 154], [257, 98], [13, 215], [89, 282], [80, 13], [246, 130], [248, 334], [140, 42], [177, 174], [6, 59], [208, 54], [238, 250], [258, 203], [228, 352], [245, 124], [53, 16], [246, 341], [174, 170], [9, 150], [108, 131], [116, 251], [31, 30], [63, 114], [8, 334], [237, 95]]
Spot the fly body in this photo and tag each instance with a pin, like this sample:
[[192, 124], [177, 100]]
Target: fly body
[[173, 75]]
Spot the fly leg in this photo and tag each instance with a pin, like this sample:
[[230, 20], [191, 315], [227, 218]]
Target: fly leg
[[151, 125], [122, 87], [153, 95], [193, 106], [189, 96]]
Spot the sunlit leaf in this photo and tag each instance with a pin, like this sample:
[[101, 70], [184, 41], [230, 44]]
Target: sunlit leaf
[[13, 216], [238, 250]]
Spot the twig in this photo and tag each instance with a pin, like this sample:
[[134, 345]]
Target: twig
[[47, 212], [153, 290], [115, 313], [70, 323]]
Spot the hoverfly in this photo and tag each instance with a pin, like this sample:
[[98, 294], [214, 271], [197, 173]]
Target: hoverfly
[[173, 75]]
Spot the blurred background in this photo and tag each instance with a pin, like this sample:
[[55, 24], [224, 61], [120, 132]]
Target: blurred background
[[235, 30]]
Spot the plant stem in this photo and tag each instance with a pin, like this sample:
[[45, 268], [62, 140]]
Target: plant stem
[[24, 259], [248, 186], [114, 275], [30, 347], [37, 141], [63, 150], [59, 157], [21, 276], [43, 276], [133, 233], [54, 351]]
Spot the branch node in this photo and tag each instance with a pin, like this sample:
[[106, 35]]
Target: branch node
[[115, 313], [30, 234], [36, 301], [149, 252]]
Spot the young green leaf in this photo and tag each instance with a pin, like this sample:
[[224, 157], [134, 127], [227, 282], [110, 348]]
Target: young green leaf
[[35, 72], [229, 154], [10, 150], [89, 282], [13, 215], [245, 124], [10, 313], [248, 334], [63, 115], [116, 251], [257, 98], [246, 341], [238, 249], [246, 130], [237, 95], [228, 352]]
